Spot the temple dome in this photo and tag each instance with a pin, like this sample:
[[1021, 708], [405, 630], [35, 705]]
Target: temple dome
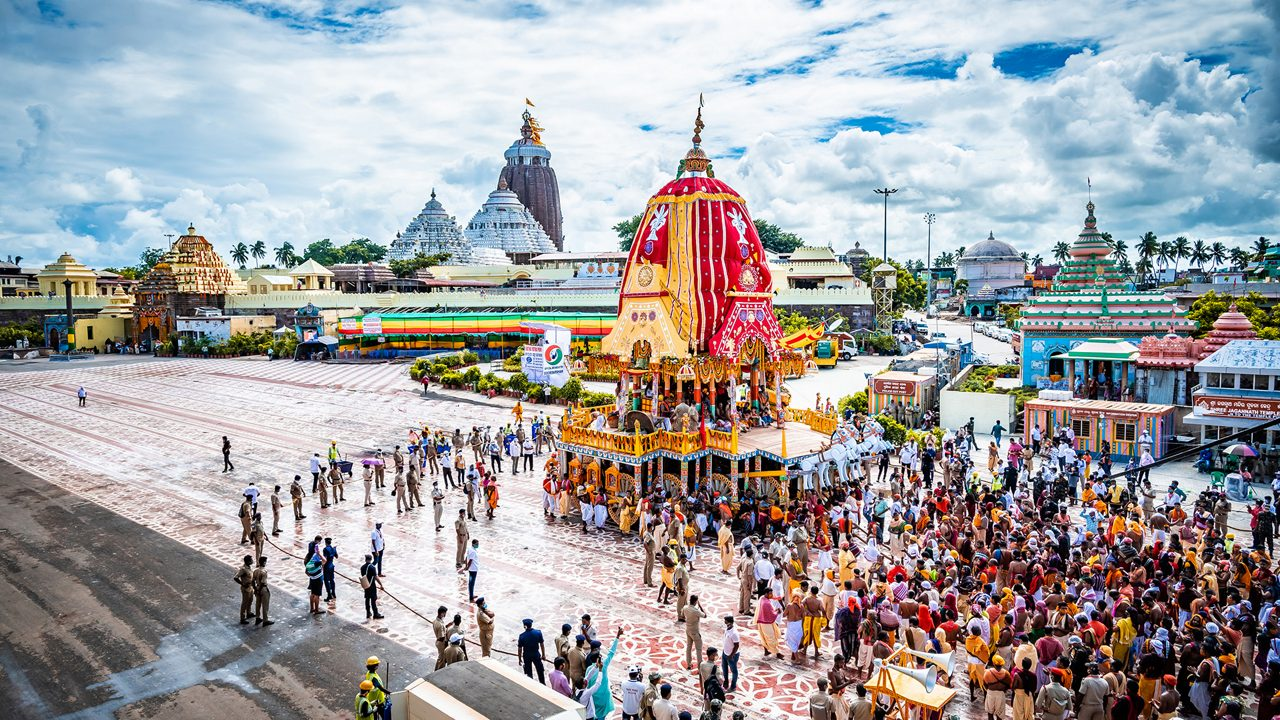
[[1230, 325], [433, 231], [991, 249], [503, 223]]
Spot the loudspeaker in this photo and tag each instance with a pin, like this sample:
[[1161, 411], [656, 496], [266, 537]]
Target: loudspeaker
[[927, 676], [946, 661]]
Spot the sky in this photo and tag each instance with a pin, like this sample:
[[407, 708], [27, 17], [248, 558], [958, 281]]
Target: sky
[[297, 120]]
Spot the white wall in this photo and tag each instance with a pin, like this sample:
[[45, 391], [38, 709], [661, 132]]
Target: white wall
[[216, 329], [955, 408]]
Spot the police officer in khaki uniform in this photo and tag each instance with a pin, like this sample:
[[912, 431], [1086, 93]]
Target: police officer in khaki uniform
[[650, 696], [464, 537], [262, 593], [244, 578], [295, 495], [402, 496], [246, 520], [442, 637], [257, 535], [484, 620], [680, 583], [412, 478], [693, 614], [276, 504], [380, 471]]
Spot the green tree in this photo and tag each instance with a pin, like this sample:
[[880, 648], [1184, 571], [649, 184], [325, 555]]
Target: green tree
[[1037, 260], [322, 251], [147, 260], [1199, 254], [944, 260], [240, 254], [284, 254], [362, 250], [1218, 253], [128, 273], [1061, 252], [405, 268], [626, 231], [1148, 250], [1260, 247], [1240, 258], [911, 291], [790, 321], [775, 239], [959, 253], [258, 251], [1206, 309], [1179, 249]]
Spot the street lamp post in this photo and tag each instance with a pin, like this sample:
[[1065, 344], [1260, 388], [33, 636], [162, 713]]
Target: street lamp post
[[886, 192], [929, 219]]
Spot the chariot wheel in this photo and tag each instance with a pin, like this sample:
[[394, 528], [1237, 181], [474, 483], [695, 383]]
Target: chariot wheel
[[774, 490], [672, 484], [721, 484]]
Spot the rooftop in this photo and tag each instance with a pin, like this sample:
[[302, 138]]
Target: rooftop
[[1261, 357]]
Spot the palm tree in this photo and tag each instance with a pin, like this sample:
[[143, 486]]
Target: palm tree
[[240, 254], [1143, 266], [959, 252], [284, 254], [944, 259], [1124, 266], [1179, 249], [1240, 258], [1218, 253], [1026, 260], [258, 251], [1260, 247], [1199, 254], [1037, 261], [1148, 249], [1120, 249], [1061, 252]]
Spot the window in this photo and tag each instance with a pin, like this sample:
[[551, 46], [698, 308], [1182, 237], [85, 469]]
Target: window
[[1246, 382], [1082, 428], [1126, 432], [1213, 380], [90, 332]]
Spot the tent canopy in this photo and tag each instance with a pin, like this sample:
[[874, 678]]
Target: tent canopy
[[282, 330], [1101, 349]]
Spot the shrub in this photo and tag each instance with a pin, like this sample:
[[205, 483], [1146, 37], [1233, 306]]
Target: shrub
[[491, 382], [437, 369], [571, 391], [451, 379], [594, 399], [534, 392], [469, 358], [511, 363], [32, 330], [894, 431], [285, 346], [856, 402], [518, 382], [472, 375]]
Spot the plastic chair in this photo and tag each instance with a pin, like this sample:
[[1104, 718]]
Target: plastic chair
[[1217, 479]]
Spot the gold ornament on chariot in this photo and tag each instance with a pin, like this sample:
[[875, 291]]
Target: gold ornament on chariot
[[645, 276], [749, 278]]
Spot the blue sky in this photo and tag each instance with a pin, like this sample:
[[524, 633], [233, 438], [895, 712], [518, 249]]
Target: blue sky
[[303, 119]]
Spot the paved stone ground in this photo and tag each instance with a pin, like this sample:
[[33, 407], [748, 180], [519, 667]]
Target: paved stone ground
[[105, 618], [147, 448]]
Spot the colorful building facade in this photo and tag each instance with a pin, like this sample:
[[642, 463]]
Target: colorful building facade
[[1103, 425], [1091, 299]]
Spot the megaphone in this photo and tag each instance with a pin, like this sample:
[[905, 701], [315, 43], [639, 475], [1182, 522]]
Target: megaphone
[[945, 661], [928, 677]]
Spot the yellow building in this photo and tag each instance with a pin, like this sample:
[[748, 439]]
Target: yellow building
[[311, 275], [263, 282], [83, 280]]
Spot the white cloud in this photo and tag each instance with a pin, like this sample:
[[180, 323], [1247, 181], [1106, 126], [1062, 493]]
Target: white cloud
[[305, 119]]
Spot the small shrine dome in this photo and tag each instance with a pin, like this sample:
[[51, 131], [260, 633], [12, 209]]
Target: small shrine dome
[[990, 250], [1230, 325]]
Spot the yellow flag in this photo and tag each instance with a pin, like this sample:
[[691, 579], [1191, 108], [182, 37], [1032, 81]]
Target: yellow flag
[[529, 102]]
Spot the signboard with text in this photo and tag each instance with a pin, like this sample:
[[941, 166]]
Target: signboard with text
[[1236, 407], [893, 387]]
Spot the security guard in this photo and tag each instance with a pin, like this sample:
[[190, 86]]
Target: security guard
[[244, 578], [364, 708], [378, 694]]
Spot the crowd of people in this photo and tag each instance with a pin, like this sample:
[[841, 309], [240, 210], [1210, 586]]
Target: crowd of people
[[1061, 584]]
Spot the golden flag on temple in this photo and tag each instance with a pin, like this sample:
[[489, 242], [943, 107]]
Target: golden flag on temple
[[529, 102]]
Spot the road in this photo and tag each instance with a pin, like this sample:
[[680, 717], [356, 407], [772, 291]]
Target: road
[[996, 351]]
